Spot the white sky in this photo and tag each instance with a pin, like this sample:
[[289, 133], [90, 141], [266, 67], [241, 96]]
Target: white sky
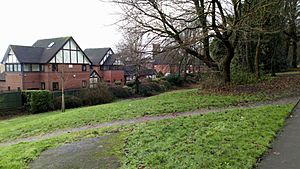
[[89, 22]]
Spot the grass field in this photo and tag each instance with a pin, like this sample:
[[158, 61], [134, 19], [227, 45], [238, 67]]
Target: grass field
[[232, 139], [176, 101]]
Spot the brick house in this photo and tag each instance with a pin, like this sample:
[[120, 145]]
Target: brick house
[[174, 61], [106, 66], [41, 66]]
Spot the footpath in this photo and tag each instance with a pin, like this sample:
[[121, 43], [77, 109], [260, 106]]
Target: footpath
[[285, 152]]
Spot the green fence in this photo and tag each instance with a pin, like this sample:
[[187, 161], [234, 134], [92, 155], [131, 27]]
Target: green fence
[[10, 101], [67, 92]]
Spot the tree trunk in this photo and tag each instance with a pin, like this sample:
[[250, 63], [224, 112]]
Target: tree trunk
[[295, 61], [137, 85], [227, 61], [257, 57], [287, 46], [63, 89]]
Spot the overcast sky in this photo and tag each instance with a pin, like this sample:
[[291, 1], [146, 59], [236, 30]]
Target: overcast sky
[[88, 21]]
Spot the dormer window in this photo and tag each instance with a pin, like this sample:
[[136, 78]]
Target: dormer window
[[50, 45]]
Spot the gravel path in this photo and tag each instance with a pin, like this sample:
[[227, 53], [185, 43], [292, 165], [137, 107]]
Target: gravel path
[[292, 100]]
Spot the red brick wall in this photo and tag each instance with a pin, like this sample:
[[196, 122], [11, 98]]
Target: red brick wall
[[110, 76], [13, 80], [73, 77], [162, 68]]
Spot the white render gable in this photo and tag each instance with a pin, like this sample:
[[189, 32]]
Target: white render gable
[[70, 54], [110, 52], [11, 58]]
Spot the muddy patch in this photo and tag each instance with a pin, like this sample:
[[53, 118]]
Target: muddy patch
[[92, 153]]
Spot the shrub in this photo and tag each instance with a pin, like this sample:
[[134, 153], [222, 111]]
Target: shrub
[[244, 77], [175, 79], [211, 79], [149, 89], [130, 83], [118, 82], [120, 92], [166, 84], [99, 94], [70, 102], [160, 74], [37, 101]]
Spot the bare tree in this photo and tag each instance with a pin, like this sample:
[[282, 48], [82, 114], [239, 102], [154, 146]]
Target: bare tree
[[169, 20], [292, 15], [132, 53]]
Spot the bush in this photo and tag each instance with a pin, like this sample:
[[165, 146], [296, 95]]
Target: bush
[[244, 77], [149, 89], [98, 95], [37, 101], [159, 74], [211, 80], [120, 92], [175, 80], [166, 84], [70, 102], [118, 83], [130, 83]]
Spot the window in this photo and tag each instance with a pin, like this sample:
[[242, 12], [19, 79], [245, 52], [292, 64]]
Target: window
[[32, 68], [84, 84], [13, 67], [43, 86], [8, 88], [84, 68], [35, 67], [54, 67], [27, 67], [94, 80], [51, 44], [42, 68], [55, 86]]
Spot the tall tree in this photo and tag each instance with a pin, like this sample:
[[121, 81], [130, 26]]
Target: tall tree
[[292, 13], [168, 20], [132, 53]]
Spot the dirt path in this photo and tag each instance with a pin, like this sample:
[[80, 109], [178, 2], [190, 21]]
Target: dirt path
[[292, 100]]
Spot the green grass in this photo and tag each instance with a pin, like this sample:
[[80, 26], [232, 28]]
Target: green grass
[[177, 101], [232, 140], [18, 156]]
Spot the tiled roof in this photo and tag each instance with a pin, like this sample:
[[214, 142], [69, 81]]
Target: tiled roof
[[39, 52], [96, 54], [48, 53]]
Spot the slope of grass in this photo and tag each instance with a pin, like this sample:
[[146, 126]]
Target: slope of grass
[[177, 101], [18, 156], [233, 140]]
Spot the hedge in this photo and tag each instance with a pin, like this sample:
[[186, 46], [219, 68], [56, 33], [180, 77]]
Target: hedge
[[36, 101]]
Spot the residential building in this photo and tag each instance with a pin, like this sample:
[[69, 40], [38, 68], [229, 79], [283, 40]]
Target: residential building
[[50, 64], [2, 68], [106, 66], [45, 65], [175, 61]]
